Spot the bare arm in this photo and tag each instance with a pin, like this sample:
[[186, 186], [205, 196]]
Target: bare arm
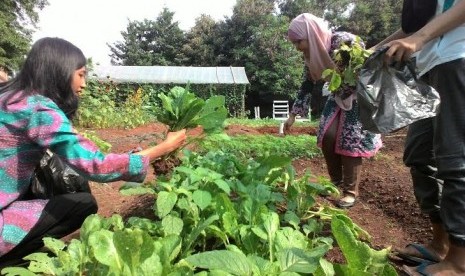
[[402, 49], [394, 36], [173, 141]]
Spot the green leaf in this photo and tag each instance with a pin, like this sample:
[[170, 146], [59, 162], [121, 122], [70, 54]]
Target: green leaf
[[151, 266], [292, 219], [132, 188], [287, 273], [90, 225], [193, 175], [359, 256], [41, 263], [350, 78], [77, 251], [230, 224], [271, 224], [171, 246], [192, 237], [54, 245], [223, 185], [297, 260], [260, 233], [262, 266], [213, 115], [14, 271], [290, 238], [335, 82], [134, 246], [202, 198], [326, 73], [101, 243], [172, 225], [167, 103], [165, 203], [326, 268], [223, 204], [345, 47], [183, 109], [223, 260], [188, 115]]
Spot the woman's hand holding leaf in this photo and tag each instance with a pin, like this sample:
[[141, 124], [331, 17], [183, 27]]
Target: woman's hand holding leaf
[[176, 139], [173, 141]]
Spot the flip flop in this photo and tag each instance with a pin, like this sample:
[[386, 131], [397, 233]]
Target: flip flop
[[413, 271], [347, 201], [427, 257]]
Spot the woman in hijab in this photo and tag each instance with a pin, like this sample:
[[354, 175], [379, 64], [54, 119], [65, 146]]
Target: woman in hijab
[[340, 134]]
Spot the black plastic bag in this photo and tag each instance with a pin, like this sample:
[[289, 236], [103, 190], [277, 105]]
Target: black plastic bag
[[391, 97], [53, 177]]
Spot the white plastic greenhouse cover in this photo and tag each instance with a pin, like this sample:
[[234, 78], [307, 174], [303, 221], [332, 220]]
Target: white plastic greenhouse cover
[[170, 74]]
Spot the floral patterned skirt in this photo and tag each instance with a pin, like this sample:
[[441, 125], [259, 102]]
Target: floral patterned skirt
[[351, 139]]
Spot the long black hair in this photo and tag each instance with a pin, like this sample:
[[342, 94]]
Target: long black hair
[[48, 70]]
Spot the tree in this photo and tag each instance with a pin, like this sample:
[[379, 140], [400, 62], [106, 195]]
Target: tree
[[371, 20], [374, 20], [292, 8], [150, 42], [256, 38], [200, 48], [239, 30], [18, 18]]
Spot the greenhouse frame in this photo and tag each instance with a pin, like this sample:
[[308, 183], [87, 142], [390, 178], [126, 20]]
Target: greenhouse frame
[[171, 74]]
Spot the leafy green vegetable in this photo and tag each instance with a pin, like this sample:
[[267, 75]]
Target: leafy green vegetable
[[349, 60], [361, 259], [232, 262], [183, 109]]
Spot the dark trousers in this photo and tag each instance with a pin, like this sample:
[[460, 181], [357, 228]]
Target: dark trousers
[[344, 171], [317, 101], [435, 152], [62, 215]]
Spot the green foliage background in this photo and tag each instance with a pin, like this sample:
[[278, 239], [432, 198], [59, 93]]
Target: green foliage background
[[18, 18], [254, 37]]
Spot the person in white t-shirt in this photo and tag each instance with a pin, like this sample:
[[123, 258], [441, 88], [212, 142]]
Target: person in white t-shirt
[[435, 147]]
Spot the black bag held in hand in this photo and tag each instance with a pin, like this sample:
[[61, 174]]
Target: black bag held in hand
[[391, 97], [54, 177]]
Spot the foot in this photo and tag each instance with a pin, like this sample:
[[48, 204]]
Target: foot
[[416, 254], [347, 201], [439, 269]]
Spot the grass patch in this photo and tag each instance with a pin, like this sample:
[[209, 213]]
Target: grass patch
[[301, 146], [266, 122]]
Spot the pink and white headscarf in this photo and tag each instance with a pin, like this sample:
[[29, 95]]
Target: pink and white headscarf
[[316, 31]]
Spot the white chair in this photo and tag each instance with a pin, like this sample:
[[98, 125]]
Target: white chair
[[257, 112], [280, 110]]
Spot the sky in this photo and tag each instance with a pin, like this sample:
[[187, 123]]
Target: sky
[[91, 24]]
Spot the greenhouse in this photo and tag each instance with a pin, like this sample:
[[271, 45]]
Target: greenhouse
[[230, 82], [171, 74]]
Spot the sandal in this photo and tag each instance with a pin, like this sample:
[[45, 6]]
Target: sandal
[[423, 256], [418, 270], [347, 201]]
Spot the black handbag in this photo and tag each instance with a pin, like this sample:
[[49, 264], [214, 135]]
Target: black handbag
[[53, 177]]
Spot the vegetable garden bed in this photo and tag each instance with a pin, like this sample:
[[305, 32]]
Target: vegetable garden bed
[[386, 209]]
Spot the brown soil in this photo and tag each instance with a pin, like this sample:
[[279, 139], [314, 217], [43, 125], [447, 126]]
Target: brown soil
[[386, 208]]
